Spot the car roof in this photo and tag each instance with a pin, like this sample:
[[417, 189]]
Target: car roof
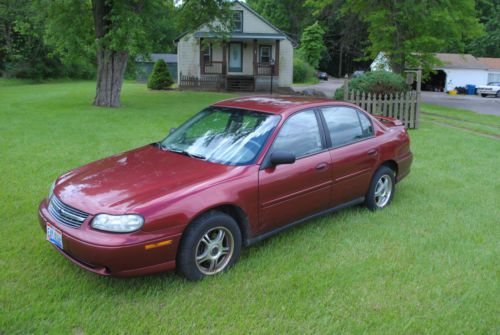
[[277, 104]]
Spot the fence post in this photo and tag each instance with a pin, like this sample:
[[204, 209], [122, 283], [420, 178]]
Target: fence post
[[346, 87], [419, 89]]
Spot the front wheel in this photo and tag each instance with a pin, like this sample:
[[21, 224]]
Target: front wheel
[[210, 245], [498, 94], [381, 189]]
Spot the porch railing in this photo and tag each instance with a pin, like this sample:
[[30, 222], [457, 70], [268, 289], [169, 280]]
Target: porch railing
[[214, 67], [264, 69]]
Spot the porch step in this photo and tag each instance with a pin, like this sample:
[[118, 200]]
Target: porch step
[[241, 83]]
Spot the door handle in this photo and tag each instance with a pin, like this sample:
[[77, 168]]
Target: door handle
[[321, 166], [372, 152]]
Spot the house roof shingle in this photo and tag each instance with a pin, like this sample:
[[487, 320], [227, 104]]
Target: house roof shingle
[[460, 61], [491, 63]]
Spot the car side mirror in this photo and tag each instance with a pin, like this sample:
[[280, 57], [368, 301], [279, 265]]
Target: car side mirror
[[172, 130], [282, 157]]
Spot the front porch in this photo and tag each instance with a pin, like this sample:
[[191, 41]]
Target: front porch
[[236, 65]]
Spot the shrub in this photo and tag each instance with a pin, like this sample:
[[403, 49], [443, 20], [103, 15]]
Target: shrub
[[302, 71], [378, 82], [160, 78]]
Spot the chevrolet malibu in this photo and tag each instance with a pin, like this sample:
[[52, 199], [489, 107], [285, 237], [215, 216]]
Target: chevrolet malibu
[[236, 173]]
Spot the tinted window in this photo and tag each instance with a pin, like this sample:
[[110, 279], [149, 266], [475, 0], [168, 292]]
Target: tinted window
[[366, 125], [299, 135], [343, 124]]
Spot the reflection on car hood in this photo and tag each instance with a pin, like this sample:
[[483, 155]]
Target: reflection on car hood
[[126, 182]]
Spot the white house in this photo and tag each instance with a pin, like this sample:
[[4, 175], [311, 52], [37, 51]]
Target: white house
[[242, 59], [457, 70]]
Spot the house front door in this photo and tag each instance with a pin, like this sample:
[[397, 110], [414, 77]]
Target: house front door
[[235, 57]]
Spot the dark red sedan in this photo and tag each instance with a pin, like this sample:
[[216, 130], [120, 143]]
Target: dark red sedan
[[234, 174]]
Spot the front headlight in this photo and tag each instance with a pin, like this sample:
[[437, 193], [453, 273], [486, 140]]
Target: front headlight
[[117, 223], [51, 190]]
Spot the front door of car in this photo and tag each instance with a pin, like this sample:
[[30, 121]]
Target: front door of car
[[290, 192], [354, 152]]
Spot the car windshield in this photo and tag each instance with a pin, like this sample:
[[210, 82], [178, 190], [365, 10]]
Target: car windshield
[[223, 135], [494, 83]]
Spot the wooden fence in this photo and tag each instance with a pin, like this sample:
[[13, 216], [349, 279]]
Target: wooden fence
[[403, 106], [208, 82]]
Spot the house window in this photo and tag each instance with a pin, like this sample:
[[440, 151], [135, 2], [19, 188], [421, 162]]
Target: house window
[[238, 20], [265, 54], [207, 53]]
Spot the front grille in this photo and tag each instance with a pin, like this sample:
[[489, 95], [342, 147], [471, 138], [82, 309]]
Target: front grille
[[65, 214]]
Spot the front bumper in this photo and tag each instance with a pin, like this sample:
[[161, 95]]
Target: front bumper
[[121, 255]]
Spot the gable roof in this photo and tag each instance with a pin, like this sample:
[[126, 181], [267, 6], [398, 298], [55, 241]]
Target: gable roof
[[459, 61], [279, 34], [491, 63]]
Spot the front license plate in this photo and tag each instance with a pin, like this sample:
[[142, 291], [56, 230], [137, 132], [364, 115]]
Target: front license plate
[[54, 236]]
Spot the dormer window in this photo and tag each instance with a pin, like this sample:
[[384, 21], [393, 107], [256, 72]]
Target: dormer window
[[238, 20]]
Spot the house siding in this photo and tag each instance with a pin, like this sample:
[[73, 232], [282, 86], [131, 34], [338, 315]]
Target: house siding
[[463, 77], [188, 57], [188, 50]]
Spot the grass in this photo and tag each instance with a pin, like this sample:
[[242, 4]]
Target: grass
[[487, 124], [429, 263]]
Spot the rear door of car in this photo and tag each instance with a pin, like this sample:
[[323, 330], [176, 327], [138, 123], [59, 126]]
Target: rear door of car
[[290, 192], [354, 151]]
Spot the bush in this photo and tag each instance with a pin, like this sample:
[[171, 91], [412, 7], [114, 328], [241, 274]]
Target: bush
[[378, 82], [160, 78], [302, 71]]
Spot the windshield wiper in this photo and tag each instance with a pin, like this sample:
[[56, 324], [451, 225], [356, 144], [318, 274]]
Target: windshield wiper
[[185, 153]]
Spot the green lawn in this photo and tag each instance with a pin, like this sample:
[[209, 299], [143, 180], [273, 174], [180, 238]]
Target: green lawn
[[427, 264], [486, 124]]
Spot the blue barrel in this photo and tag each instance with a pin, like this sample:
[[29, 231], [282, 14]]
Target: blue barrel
[[471, 89]]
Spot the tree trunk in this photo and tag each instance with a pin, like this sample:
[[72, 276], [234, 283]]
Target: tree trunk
[[111, 67], [111, 64]]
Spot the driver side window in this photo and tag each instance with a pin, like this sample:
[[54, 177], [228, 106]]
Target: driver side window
[[299, 135]]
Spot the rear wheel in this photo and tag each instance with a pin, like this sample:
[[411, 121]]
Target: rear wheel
[[381, 189], [210, 245]]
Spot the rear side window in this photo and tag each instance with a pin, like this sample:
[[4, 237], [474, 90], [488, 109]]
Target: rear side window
[[346, 125], [299, 135], [366, 125]]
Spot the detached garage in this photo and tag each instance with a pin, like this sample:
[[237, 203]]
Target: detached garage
[[456, 70]]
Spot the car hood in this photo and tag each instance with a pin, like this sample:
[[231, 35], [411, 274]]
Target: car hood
[[127, 182]]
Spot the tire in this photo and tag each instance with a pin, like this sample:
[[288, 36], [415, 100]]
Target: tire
[[202, 251], [498, 94], [380, 196], [484, 95]]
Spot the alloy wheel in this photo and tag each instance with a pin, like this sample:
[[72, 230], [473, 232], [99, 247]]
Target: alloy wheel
[[383, 190], [214, 250]]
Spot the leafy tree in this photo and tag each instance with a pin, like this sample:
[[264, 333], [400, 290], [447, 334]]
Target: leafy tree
[[291, 16], [160, 78], [116, 30], [487, 45], [312, 45], [410, 31], [346, 37], [22, 49]]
